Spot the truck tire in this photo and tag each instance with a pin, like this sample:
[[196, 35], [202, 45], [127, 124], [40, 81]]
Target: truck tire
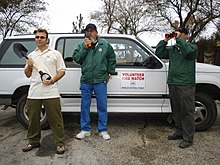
[[21, 113], [205, 111]]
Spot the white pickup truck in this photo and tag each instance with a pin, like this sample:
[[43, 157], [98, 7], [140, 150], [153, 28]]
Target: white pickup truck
[[139, 86]]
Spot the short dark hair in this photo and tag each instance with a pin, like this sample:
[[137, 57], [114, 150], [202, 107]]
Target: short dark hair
[[41, 31]]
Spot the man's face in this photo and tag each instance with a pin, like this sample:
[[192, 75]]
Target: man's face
[[92, 33], [185, 36], [40, 38]]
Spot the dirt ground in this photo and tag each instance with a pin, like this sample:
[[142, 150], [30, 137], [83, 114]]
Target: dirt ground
[[136, 139]]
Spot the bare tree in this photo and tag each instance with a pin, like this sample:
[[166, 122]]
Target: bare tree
[[193, 14], [217, 45], [126, 17], [136, 17], [19, 15], [78, 24], [105, 17]]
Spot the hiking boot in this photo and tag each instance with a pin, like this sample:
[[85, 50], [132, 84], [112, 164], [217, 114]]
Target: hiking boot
[[174, 137], [29, 147], [83, 134], [185, 144], [105, 135]]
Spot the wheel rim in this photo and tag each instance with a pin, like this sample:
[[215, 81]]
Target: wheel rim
[[42, 114], [200, 112]]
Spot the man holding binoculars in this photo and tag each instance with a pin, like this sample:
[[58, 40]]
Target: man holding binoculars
[[181, 83]]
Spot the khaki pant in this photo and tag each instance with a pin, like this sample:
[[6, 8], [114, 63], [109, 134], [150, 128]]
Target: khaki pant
[[54, 116]]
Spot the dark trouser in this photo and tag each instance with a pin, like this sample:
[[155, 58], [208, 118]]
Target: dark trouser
[[54, 116], [182, 99]]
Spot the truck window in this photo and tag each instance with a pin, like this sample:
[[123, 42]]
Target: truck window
[[66, 46], [127, 52], [8, 56]]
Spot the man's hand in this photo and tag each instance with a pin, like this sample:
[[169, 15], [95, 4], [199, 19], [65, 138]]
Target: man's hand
[[87, 43], [48, 82], [109, 77], [178, 33], [30, 62]]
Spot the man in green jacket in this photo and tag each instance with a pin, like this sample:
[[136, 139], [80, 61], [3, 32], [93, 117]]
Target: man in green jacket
[[97, 60], [181, 83]]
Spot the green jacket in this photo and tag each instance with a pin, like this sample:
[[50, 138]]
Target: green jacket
[[96, 62], [181, 61]]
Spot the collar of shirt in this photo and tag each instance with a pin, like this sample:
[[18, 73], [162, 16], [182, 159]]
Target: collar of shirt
[[46, 50]]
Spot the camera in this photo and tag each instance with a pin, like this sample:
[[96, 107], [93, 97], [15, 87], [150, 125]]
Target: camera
[[171, 35]]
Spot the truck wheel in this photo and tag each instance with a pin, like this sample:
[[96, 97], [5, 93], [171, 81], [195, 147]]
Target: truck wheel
[[21, 113], [205, 111]]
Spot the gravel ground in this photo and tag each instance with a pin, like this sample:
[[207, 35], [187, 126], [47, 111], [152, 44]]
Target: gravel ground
[[136, 139]]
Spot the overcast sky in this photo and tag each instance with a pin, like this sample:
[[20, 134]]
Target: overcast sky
[[63, 12]]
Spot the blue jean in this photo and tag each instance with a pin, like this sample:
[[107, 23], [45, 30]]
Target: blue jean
[[100, 91]]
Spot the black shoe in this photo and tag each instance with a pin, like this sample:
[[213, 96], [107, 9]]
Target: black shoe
[[30, 147], [174, 137], [185, 144]]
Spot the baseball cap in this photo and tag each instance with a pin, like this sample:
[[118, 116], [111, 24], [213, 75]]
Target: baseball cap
[[90, 26], [183, 30]]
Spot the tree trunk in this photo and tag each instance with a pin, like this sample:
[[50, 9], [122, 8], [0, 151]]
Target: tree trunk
[[200, 57], [217, 56]]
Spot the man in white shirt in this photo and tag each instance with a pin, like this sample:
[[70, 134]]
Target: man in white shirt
[[44, 91]]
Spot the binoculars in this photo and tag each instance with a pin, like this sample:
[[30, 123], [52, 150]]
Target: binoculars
[[171, 35]]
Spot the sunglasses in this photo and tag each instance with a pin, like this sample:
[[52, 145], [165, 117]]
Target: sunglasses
[[41, 37]]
